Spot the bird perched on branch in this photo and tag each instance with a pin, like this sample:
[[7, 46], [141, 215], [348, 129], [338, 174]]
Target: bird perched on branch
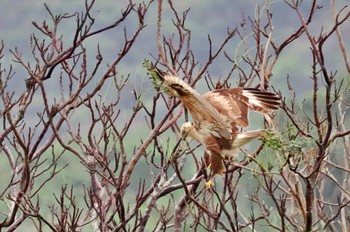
[[217, 116]]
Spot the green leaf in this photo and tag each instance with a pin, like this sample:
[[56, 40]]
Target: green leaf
[[153, 74], [273, 140]]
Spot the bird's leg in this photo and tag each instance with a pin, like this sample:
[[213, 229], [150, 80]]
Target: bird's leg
[[184, 145], [209, 183], [208, 172], [209, 178], [178, 149]]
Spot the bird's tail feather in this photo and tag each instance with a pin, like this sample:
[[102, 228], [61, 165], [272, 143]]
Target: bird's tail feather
[[245, 137]]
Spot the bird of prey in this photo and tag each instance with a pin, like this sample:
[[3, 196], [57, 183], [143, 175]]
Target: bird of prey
[[218, 115]]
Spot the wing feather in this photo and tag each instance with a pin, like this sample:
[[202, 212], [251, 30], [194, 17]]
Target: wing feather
[[201, 110], [234, 104], [231, 104], [262, 101]]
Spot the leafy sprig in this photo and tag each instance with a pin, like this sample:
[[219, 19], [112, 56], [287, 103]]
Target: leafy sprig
[[153, 74], [273, 140]]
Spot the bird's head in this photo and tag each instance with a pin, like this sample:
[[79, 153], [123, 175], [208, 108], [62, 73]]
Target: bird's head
[[187, 130]]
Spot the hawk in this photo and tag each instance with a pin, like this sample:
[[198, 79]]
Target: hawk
[[218, 115]]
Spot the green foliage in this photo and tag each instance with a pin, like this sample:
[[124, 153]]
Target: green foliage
[[273, 140], [286, 146], [291, 144], [153, 74]]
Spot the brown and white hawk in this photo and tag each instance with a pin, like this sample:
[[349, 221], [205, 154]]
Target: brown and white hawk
[[217, 116]]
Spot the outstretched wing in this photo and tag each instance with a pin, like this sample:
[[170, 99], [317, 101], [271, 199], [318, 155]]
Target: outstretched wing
[[203, 113], [234, 104]]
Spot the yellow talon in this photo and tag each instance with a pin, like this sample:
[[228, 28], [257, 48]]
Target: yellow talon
[[209, 184]]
